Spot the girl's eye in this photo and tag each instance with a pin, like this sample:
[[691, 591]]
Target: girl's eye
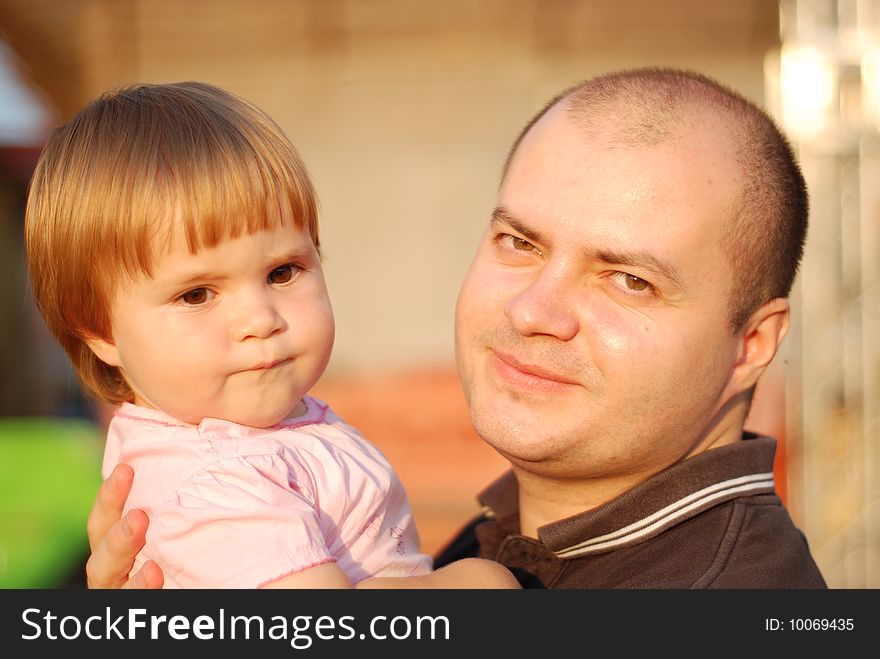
[[195, 297], [282, 275]]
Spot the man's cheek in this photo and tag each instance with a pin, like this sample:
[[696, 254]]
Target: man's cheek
[[496, 286], [616, 333]]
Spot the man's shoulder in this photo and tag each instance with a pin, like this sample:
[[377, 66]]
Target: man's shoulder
[[766, 549]]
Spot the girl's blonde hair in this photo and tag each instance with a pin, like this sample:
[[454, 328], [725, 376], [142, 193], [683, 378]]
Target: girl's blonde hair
[[109, 182]]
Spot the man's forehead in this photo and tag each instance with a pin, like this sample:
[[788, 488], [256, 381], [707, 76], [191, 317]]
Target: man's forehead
[[663, 205], [558, 145], [617, 123]]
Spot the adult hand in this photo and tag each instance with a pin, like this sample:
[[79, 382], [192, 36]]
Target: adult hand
[[116, 540]]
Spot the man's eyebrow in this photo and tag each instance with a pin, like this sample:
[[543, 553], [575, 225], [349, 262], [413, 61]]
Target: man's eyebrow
[[502, 216], [639, 259], [644, 260]]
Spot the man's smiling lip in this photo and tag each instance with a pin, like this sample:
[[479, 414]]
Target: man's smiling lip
[[508, 363]]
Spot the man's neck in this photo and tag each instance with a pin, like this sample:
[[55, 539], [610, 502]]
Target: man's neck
[[546, 499]]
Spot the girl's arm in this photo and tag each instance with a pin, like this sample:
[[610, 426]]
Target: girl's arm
[[466, 573], [326, 575]]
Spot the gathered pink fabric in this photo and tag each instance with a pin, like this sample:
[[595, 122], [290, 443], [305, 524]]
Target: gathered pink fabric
[[232, 506]]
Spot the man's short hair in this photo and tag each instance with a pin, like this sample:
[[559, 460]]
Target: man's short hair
[[765, 233]]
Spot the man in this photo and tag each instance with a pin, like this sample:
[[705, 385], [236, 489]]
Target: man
[[627, 295]]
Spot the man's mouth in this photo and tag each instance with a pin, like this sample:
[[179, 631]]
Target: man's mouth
[[527, 375]]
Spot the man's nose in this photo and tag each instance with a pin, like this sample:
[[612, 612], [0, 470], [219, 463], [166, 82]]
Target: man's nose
[[546, 306], [256, 316]]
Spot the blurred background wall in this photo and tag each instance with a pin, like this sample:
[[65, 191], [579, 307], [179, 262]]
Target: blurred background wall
[[404, 111]]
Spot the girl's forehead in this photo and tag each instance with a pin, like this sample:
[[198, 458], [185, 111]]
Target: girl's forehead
[[180, 229]]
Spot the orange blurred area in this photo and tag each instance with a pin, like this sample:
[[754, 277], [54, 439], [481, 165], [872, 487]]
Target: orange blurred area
[[767, 417], [420, 421]]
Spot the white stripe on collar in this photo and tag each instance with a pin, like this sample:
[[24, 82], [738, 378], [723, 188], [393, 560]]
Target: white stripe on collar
[[669, 515]]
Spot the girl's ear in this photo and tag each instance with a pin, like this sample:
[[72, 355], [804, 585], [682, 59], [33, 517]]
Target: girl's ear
[[105, 350]]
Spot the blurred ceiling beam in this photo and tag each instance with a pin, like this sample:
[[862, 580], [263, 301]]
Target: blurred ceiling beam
[[71, 50], [35, 29]]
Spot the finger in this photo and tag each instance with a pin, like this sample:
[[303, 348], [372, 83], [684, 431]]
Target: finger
[[113, 557], [149, 576], [108, 505]]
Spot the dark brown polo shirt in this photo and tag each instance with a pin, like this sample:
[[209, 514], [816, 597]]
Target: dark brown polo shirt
[[711, 521]]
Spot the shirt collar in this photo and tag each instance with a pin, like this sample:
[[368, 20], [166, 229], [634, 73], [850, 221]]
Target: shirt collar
[[667, 498]]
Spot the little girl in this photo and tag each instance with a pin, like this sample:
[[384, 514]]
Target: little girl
[[172, 240]]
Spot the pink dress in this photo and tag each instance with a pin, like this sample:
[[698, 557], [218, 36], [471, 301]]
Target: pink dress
[[232, 506]]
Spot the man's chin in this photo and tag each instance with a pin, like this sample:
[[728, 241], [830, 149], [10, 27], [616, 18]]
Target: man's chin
[[517, 442]]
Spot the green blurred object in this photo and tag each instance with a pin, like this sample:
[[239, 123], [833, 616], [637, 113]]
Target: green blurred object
[[50, 470]]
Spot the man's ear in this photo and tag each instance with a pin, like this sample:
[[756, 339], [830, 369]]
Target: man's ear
[[105, 350], [760, 340]]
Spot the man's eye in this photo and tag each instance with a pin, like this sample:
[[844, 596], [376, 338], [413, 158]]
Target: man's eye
[[634, 283], [517, 244], [195, 297], [282, 275], [522, 245]]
